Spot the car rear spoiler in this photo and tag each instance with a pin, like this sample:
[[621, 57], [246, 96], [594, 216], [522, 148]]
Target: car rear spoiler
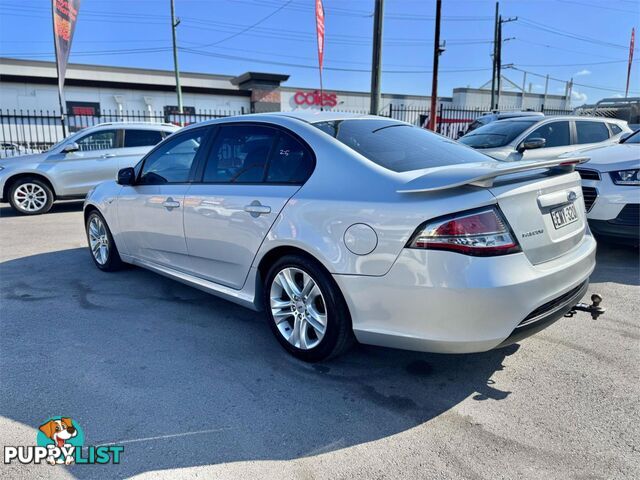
[[482, 174]]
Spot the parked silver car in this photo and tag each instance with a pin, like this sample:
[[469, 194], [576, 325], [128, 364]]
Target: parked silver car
[[341, 226], [69, 169], [534, 138]]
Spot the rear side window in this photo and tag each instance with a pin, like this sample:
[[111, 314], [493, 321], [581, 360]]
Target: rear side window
[[591, 132], [239, 154], [615, 129], [397, 146], [141, 138], [556, 134], [290, 162]]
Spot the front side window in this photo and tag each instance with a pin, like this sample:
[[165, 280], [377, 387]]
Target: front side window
[[556, 134], [239, 154], [171, 162], [290, 162], [397, 146], [102, 140], [591, 132], [141, 138], [496, 134]]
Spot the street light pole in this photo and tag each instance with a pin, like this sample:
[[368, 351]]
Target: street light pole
[[376, 61], [174, 24], [437, 50]]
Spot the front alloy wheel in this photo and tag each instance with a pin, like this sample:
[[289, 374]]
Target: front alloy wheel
[[31, 196], [101, 245]]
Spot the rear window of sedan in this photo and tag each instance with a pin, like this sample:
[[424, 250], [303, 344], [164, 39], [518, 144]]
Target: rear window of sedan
[[397, 146]]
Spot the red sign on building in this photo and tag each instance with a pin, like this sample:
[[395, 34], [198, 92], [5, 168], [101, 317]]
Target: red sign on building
[[316, 98]]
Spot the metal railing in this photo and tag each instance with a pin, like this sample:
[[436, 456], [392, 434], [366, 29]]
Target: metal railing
[[29, 131], [23, 132]]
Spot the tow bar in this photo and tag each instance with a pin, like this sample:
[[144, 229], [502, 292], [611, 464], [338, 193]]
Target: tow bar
[[594, 309]]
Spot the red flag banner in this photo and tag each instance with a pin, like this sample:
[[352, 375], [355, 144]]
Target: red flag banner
[[631, 47], [320, 31], [65, 15]]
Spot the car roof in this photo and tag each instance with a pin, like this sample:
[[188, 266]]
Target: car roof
[[566, 117], [141, 124]]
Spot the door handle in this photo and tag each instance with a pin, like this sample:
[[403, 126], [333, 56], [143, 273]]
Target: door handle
[[108, 155], [256, 209], [170, 204]]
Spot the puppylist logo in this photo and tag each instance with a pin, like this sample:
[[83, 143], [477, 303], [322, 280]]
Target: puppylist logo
[[60, 441]]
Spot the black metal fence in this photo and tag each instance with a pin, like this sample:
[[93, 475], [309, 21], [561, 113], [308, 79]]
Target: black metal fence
[[28, 131], [23, 132]]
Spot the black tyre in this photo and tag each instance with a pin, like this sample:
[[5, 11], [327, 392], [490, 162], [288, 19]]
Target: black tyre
[[306, 310], [30, 196], [102, 248]]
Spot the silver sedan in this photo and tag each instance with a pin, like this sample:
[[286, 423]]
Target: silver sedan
[[346, 228]]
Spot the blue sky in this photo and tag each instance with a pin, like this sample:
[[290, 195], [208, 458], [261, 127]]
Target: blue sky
[[584, 39]]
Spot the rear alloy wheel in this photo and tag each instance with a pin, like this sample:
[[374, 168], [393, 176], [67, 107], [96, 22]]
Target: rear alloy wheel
[[307, 312], [31, 196], [101, 245]]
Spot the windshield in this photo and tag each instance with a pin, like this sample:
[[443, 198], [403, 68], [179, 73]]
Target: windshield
[[497, 134], [397, 146], [633, 138]]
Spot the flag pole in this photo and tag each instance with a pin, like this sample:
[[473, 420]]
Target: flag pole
[[320, 43], [55, 45]]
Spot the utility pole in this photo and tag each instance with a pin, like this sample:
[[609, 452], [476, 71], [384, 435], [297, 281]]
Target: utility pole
[[524, 86], [494, 56], [174, 24], [546, 88], [437, 51], [499, 55], [376, 61]]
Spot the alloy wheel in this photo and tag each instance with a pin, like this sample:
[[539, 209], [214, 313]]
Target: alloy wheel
[[98, 240], [298, 308], [31, 197]]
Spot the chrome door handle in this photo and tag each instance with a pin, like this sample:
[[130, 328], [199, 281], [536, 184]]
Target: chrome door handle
[[170, 204], [256, 209], [108, 155]]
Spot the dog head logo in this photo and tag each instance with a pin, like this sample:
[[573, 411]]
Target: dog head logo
[[60, 435]]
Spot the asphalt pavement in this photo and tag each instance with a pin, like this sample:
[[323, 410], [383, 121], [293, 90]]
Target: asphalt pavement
[[193, 386]]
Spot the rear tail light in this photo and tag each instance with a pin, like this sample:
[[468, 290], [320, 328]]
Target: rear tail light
[[483, 232]]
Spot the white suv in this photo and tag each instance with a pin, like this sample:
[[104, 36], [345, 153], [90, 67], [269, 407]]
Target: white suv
[[72, 167]]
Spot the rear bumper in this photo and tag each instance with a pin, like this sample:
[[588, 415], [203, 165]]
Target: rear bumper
[[445, 302]]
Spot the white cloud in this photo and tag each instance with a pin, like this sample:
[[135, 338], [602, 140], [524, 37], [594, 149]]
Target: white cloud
[[582, 73], [578, 97]]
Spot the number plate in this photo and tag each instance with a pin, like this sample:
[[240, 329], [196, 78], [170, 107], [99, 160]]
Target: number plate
[[564, 215]]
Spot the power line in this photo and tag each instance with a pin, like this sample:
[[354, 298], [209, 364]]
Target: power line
[[595, 87], [248, 27]]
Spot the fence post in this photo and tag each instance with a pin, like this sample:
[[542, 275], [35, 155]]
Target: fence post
[[391, 110]]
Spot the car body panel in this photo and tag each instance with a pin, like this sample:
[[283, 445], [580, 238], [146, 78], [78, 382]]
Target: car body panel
[[398, 296]]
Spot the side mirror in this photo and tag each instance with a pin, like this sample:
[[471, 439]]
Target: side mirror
[[71, 147], [126, 176], [625, 136], [531, 144]]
